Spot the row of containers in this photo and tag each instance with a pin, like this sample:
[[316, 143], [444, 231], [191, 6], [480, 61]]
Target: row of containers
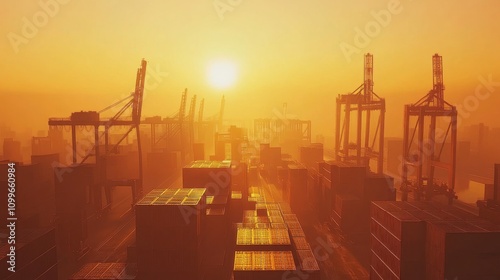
[[179, 232], [216, 220], [408, 240], [271, 244], [337, 191], [169, 233], [183, 233], [425, 240]]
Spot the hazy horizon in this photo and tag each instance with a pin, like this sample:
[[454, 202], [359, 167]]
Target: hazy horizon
[[86, 54]]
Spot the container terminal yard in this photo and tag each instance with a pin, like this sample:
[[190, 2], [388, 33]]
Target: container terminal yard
[[186, 197]]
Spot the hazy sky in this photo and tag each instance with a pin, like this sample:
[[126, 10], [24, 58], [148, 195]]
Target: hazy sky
[[64, 56]]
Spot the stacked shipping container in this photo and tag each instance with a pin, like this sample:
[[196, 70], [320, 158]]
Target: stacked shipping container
[[262, 265], [214, 176], [424, 240], [168, 233]]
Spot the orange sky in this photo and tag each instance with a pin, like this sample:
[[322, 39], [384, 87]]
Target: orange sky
[[84, 54]]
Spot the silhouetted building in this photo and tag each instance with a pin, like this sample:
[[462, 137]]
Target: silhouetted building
[[12, 150], [41, 145]]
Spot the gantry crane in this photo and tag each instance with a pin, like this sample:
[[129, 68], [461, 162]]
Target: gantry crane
[[85, 119], [178, 132], [424, 156], [362, 99], [289, 133]]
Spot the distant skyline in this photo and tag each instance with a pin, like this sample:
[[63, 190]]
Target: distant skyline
[[65, 56]]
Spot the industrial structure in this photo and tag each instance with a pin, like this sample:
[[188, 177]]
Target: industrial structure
[[212, 200], [133, 103], [424, 154], [176, 132], [364, 103], [286, 132]]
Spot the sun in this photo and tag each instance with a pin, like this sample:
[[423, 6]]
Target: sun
[[222, 74]]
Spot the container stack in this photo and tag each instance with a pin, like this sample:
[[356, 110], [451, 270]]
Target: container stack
[[293, 225], [311, 155], [36, 255], [298, 187], [70, 195], [253, 175], [239, 179], [282, 179], [274, 162], [425, 240], [398, 243], [251, 217], [28, 193], [45, 194], [214, 176], [270, 157], [324, 192], [307, 264], [217, 220], [378, 187], [217, 202], [168, 233], [268, 231], [313, 186], [262, 265], [463, 250], [215, 240], [216, 224], [264, 153], [345, 192], [236, 206], [350, 214], [262, 239], [347, 179]]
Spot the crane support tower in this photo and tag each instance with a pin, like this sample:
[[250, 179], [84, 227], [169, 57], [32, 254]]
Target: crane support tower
[[364, 104], [424, 154]]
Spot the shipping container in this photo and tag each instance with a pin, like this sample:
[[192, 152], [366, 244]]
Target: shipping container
[[261, 265], [350, 214], [462, 250], [214, 176], [262, 239], [308, 265], [378, 187]]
